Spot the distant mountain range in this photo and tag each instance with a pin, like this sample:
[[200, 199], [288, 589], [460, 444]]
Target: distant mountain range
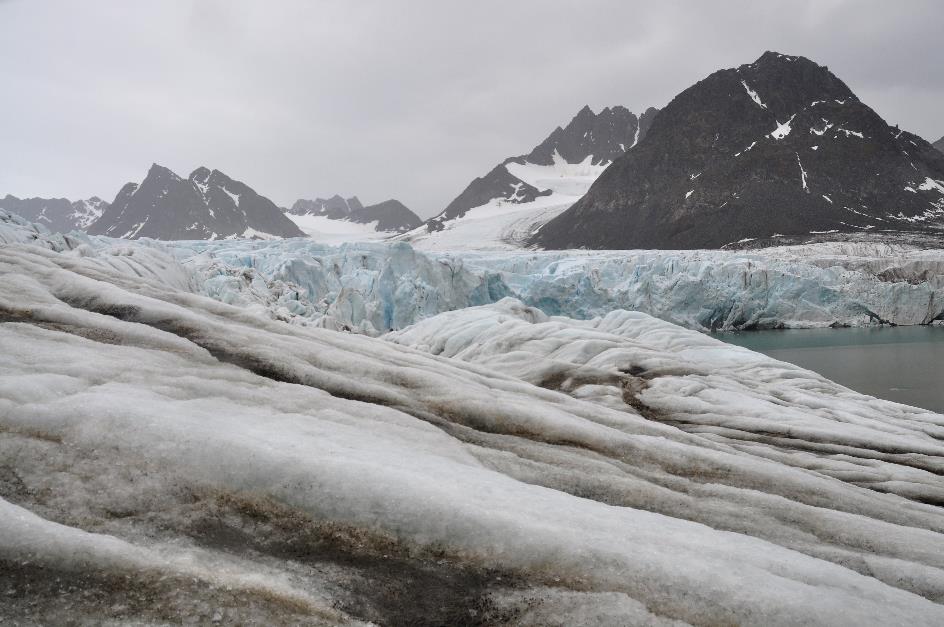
[[390, 216], [779, 147], [207, 205], [771, 152], [56, 214]]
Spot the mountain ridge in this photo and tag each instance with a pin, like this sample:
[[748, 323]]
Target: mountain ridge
[[206, 205], [390, 215], [600, 137], [57, 214]]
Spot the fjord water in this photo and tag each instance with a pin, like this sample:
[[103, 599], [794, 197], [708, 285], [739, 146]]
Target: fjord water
[[901, 364]]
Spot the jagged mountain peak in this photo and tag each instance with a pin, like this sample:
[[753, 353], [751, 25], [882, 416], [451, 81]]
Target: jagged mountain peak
[[160, 171], [597, 137], [206, 205], [778, 147], [201, 174]]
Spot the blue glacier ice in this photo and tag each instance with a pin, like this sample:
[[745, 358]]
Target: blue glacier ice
[[373, 288]]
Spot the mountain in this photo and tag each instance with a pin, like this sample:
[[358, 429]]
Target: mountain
[[207, 205], [505, 206], [780, 147], [939, 144], [335, 208], [390, 215], [594, 139], [59, 215], [340, 218]]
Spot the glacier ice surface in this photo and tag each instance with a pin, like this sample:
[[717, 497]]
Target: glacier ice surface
[[619, 469]]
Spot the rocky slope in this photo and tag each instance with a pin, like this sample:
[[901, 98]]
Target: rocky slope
[[59, 215], [207, 205], [778, 147]]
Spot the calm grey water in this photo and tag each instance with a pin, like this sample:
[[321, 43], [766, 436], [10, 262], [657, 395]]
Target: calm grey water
[[903, 364]]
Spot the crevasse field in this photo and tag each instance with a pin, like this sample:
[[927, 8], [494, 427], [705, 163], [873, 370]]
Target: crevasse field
[[185, 435]]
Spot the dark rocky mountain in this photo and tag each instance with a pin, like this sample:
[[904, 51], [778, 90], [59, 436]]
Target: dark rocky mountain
[[336, 207], [939, 144], [390, 215], [208, 205], [602, 137], [59, 215], [777, 147]]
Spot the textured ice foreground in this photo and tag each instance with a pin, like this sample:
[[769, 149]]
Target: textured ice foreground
[[166, 455]]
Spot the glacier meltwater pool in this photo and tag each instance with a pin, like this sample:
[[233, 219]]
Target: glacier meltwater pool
[[903, 364]]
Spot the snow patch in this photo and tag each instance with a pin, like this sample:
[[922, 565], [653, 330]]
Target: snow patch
[[802, 173], [782, 130]]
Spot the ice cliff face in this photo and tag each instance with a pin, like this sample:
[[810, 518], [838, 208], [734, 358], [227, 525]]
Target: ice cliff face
[[165, 456], [373, 288]]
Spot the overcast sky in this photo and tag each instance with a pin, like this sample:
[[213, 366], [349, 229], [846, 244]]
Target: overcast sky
[[385, 99]]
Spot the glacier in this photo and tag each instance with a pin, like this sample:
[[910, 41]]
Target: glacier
[[375, 287], [168, 456]]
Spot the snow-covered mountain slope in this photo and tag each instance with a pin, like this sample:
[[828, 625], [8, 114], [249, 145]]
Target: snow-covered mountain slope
[[939, 144], [503, 208], [207, 205], [506, 223], [778, 146], [164, 456], [339, 220], [57, 214]]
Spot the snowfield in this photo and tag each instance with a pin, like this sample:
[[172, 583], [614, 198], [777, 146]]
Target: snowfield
[[503, 224], [325, 230], [168, 457]]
